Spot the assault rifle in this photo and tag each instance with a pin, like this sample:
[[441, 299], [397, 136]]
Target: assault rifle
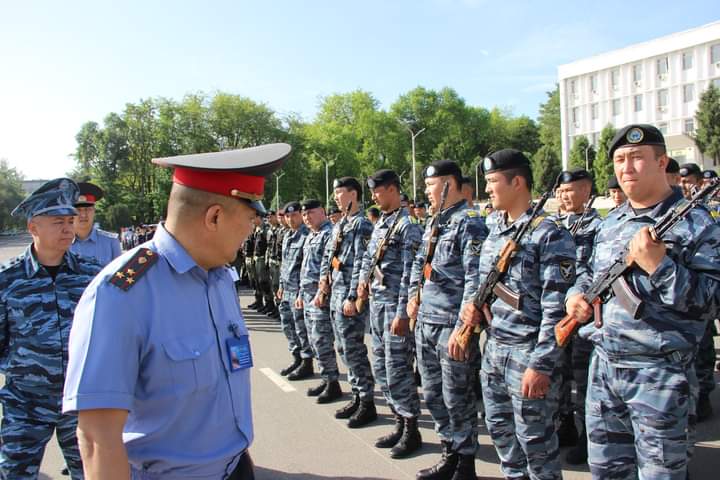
[[430, 251], [374, 271], [335, 263], [613, 280], [575, 227], [493, 288]]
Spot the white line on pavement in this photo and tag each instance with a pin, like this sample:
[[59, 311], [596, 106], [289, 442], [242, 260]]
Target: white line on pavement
[[277, 380]]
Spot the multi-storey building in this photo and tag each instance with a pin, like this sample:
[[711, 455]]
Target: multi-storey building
[[657, 82]]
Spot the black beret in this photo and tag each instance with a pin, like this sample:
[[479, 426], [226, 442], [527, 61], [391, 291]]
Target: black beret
[[271, 212], [573, 175], [348, 182], [89, 194], [310, 204], [709, 174], [333, 210], [382, 178], [636, 134], [613, 182], [292, 207], [403, 197], [442, 168], [672, 166], [505, 159], [467, 181], [420, 205], [690, 169], [374, 211]]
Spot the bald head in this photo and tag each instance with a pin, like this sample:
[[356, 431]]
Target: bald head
[[188, 204]]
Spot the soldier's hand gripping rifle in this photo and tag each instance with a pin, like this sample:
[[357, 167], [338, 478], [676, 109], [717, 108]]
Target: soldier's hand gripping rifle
[[430, 250], [575, 227], [613, 280], [374, 271], [493, 287], [335, 263]]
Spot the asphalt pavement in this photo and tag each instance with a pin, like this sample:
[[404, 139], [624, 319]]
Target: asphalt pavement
[[296, 439]]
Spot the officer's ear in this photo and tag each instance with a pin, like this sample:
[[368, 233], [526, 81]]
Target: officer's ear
[[212, 216]]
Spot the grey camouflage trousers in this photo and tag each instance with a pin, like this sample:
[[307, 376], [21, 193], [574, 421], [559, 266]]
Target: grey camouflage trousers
[[322, 339], [393, 361], [637, 419], [293, 326], [350, 338], [447, 386]]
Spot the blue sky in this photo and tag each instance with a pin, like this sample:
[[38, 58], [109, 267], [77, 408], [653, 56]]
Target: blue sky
[[64, 63]]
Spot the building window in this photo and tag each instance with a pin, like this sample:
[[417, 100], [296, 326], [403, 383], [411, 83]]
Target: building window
[[715, 53], [637, 73], [663, 128], [716, 82], [576, 116], [687, 60], [615, 79], [616, 107], [595, 111], [689, 126], [593, 83], [662, 98], [688, 93], [637, 101], [662, 66], [572, 87]]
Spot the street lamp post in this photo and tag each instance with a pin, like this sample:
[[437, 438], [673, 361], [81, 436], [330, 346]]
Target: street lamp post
[[413, 136], [587, 162], [277, 190], [327, 163]]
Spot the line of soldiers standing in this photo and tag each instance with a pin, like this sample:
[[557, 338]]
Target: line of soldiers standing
[[639, 374]]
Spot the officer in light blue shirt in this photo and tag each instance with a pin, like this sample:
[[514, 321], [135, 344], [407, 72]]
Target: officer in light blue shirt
[[90, 241], [160, 358]]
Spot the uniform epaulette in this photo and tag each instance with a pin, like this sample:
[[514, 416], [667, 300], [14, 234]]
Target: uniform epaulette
[[108, 234], [134, 268]]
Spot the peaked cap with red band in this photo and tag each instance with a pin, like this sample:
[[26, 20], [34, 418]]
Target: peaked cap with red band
[[89, 194], [233, 173]]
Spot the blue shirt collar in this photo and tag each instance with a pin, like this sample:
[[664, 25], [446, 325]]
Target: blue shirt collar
[[92, 237], [176, 255]]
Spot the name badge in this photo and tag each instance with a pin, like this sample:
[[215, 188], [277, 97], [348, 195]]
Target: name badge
[[239, 353]]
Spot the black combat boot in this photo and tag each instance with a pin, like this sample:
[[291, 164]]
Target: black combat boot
[[465, 468], [389, 440], [296, 363], [444, 469], [349, 408], [578, 454], [253, 305], [315, 391], [364, 415], [305, 370], [331, 393], [567, 433], [410, 440]]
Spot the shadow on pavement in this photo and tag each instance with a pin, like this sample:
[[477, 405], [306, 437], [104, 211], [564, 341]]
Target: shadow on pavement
[[262, 473]]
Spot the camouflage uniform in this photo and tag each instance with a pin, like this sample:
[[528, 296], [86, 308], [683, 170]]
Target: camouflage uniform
[[250, 267], [638, 401], [273, 257], [446, 383], [577, 353], [350, 331], [291, 318], [35, 318], [261, 266], [392, 354], [317, 320], [523, 429]]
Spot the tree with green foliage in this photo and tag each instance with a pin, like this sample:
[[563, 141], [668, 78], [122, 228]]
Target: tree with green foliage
[[11, 193], [549, 122], [545, 168], [603, 164], [582, 154], [707, 134]]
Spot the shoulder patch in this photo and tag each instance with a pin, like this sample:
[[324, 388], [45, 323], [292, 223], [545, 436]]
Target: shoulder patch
[[567, 269], [134, 269]]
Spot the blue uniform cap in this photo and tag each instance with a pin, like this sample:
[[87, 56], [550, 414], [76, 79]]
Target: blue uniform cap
[[54, 198]]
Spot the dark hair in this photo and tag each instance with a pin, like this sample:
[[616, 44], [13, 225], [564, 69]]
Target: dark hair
[[660, 150], [523, 172]]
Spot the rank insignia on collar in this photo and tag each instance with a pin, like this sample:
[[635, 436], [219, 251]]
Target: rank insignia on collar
[[133, 269]]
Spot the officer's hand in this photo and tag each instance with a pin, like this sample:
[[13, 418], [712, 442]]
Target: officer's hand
[[470, 315], [299, 304], [412, 307], [362, 291], [349, 309], [400, 326], [578, 308], [323, 284], [646, 252], [279, 294], [534, 384], [316, 301], [454, 349]]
